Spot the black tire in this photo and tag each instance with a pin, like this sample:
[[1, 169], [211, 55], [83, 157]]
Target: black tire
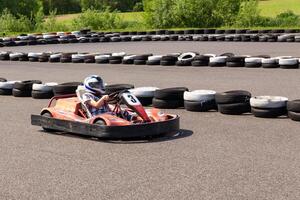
[[139, 62], [294, 116], [142, 57], [234, 96], [167, 104], [175, 93], [167, 63], [294, 106], [89, 60], [200, 63], [145, 101], [253, 65], [200, 106], [21, 93], [184, 63], [235, 64], [289, 66], [54, 60], [26, 85], [33, 59], [115, 61], [269, 65], [3, 80], [77, 60], [238, 59], [5, 91], [153, 62], [102, 61], [217, 64], [41, 95], [66, 88], [117, 87], [234, 108], [65, 59], [268, 113], [128, 62], [169, 58]]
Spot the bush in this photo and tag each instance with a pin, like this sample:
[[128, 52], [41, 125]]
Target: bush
[[51, 24], [287, 19], [138, 7], [98, 20], [191, 13], [249, 15], [9, 23]]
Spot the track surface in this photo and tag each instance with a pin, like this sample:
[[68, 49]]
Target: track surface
[[214, 157]]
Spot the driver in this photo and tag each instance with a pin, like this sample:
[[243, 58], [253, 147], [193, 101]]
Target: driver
[[94, 98]]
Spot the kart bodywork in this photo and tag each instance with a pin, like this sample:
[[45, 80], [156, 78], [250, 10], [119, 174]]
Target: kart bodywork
[[67, 113]]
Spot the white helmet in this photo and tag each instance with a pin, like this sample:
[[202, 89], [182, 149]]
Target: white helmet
[[94, 84]]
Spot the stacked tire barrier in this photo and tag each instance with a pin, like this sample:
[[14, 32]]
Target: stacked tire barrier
[[268, 106], [235, 102], [88, 36], [179, 59], [200, 100], [169, 98], [293, 108]]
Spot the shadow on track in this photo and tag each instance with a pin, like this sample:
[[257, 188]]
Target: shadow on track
[[182, 133]]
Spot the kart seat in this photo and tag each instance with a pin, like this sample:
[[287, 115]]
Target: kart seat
[[79, 92]]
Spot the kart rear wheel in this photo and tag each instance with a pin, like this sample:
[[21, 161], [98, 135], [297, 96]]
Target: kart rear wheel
[[47, 114]]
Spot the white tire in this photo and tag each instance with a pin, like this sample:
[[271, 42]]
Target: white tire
[[210, 55], [143, 91], [13, 55], [288, 61], [187, 56], [34, 55], [253, 60], [199, 95], [55, 55], [268, 61], [128, 57], [268, 102], [101, 56], [218, 59], [154, 58], [9, 85], [119, 54], [43, 87]]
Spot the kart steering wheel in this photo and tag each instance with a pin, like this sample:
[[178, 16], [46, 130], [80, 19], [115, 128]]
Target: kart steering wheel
[[116, 96]]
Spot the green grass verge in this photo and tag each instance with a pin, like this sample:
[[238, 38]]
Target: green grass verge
[[271, 8]]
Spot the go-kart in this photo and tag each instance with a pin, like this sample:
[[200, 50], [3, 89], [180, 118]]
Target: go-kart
[[127, 119]]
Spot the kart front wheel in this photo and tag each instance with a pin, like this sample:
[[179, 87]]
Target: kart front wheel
[[100, 122], [47, 114]]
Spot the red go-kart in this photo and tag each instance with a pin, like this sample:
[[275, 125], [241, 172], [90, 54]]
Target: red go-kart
[[68, 114]]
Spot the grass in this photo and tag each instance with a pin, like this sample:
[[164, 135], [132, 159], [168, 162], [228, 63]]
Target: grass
[[271, 8]]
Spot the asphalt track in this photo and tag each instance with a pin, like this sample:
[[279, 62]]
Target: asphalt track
[[214, 156]]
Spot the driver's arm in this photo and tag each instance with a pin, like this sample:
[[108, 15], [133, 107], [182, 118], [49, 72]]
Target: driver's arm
[[100, 102]]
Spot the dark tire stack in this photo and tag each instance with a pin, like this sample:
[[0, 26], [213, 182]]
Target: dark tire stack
[[168, 60], [169, 98], [293, 108], [235, 61], [200, 61], [24, 88], [234, 102], [66, 88], [141, 59]]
